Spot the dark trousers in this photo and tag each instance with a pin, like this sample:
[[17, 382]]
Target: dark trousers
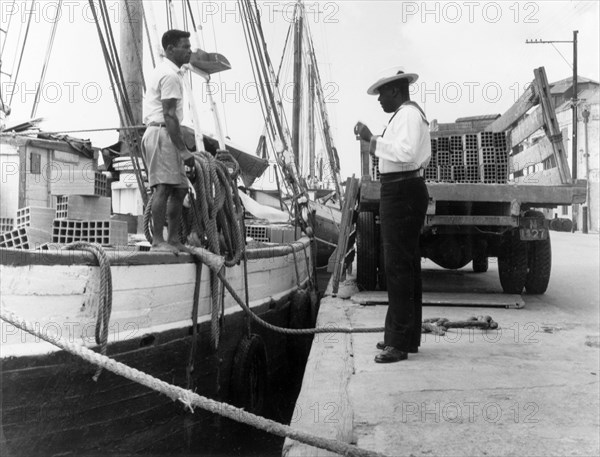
[[402, 210]]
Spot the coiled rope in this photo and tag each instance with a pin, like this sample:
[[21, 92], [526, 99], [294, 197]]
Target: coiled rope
[[215, 214], [187, 397], [105, 303]]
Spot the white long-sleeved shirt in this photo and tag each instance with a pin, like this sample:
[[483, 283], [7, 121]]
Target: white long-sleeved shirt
[[405, 144]]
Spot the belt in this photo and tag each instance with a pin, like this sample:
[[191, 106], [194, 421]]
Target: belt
[[399, 176], [157, 124]]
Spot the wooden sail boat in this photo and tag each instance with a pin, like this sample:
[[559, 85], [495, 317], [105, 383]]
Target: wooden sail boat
[[321, 188], [162, 319]]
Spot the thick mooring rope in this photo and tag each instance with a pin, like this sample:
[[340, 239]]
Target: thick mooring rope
[[187, 397]]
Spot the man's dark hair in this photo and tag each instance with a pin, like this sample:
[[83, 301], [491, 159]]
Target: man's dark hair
[[172, 37]]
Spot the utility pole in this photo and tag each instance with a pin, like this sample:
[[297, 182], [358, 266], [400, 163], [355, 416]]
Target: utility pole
[[574, 99], [574, 106]]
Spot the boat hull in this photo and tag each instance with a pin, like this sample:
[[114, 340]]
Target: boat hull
[[51, 404], [327, 221]]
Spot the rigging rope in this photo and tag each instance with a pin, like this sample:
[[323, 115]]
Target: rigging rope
[[116, 78], [147, 29], [12, 8], [36, 100], [16, 75], [285, 157]]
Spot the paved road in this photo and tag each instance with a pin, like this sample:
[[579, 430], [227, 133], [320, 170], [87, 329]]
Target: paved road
[[529, 389]]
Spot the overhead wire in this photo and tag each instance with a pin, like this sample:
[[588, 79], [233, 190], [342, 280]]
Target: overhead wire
[[568, 63]]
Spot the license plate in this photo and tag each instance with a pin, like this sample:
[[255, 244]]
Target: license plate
[[531, 234], [533, 229]]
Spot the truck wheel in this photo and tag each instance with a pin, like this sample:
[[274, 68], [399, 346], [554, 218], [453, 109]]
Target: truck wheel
[[566, 225], [367, 251], [512, 263], [539, 254], [480, 264]]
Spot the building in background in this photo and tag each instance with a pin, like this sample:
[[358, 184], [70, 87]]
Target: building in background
[[588, 143]]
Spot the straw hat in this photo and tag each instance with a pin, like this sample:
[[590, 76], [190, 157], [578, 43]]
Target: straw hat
[[389, 75]]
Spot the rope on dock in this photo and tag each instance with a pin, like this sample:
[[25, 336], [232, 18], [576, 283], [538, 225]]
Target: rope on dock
[[433, 325], [187, 397]]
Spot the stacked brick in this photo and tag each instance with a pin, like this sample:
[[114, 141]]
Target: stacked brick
[[470, 158], [103, 232], [272, 233], [81, 184], [76, 218], [16, 238], [6, 224], [33, 227], [87, 218]]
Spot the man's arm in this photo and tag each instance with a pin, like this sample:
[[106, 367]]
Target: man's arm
[[174, 129]]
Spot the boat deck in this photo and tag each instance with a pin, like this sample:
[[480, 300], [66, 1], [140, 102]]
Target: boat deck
[[527, 388]]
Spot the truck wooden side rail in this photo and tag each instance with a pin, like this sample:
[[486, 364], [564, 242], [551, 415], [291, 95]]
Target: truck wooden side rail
[[472, 221]]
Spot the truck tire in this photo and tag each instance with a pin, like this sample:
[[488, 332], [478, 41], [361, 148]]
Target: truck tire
[[566, 225], [367, 251], [480, 264], [512, 263], [539, 254]]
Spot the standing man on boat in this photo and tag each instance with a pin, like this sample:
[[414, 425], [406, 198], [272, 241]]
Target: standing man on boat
[[162, 145], [404, 150]]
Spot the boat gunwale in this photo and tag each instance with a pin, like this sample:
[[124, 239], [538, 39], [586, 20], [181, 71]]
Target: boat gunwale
[[126, 256]]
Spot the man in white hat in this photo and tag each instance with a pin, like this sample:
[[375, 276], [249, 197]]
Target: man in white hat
[[404, 150]]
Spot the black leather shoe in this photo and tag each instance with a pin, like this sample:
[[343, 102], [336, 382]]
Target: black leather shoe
[[381, 347], [390, 355]]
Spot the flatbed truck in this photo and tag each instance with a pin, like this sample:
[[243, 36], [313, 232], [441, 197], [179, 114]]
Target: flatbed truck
[[473, 221]]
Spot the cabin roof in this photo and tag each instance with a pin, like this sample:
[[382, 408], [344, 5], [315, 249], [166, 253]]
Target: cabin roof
[[56, 142]]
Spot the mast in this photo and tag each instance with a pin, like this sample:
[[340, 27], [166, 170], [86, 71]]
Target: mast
[[311, 125], [298, 26], [131, 55]]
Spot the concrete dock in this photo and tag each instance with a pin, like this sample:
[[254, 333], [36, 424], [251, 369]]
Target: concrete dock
[[529, 388]]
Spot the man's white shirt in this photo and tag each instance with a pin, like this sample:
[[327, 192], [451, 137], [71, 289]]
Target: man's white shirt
[[166, 82], [405, 144]]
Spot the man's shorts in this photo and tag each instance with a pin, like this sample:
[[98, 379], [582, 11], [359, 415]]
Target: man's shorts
[[162, 158]]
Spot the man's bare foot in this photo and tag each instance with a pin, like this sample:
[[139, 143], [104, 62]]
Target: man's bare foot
[[164, 247], [180, 247]]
